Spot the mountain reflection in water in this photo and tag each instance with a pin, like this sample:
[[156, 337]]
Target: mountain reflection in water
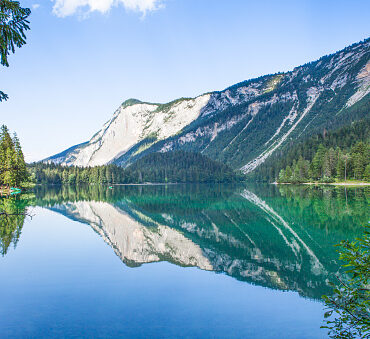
[[278, 237]]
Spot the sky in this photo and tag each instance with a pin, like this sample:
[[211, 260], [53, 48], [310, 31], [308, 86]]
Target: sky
[[83, 58]]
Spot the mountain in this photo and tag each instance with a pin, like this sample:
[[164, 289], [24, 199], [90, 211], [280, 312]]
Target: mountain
[[242, 125]]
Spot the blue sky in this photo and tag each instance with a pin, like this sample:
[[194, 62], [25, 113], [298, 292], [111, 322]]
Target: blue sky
[[81, 62]]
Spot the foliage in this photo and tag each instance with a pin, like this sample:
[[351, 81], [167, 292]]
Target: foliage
[[336, 155], [13, 171], [329, 164], [13, 24], [157, 168], [12, 216], [180, 166], [166, 107], [350, 303], [130, 102]]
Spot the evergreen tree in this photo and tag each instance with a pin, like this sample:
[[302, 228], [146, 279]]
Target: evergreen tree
[[10, 174], [367, 173], [346, 158], [340, 165], [20, 165], [8, 158], [318, 161], [359, 159], [326, 168], [288, 174], [13, 169], [282, 175], [302, 166]]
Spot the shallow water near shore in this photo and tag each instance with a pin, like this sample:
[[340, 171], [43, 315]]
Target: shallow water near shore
[[174, 261]]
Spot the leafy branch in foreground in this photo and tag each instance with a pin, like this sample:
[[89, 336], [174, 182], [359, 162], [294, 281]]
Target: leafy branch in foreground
[[13, 24], [3, 96], [349, 307]]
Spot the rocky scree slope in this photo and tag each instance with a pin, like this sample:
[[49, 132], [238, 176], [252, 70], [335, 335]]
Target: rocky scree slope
[[242, 125]]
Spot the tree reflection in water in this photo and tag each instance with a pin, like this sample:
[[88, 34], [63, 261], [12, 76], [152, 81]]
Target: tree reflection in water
[[13, 212]]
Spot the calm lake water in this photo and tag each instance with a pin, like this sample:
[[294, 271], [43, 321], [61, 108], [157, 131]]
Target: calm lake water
[[191, 261]]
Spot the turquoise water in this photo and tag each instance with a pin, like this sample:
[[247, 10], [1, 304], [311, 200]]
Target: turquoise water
[[173, 261]]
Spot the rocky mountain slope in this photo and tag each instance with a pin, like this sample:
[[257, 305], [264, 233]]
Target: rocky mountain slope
[[242, 125]]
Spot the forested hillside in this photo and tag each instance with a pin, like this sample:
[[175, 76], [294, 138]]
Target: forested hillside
[[174, 167], [341, 154], [180, 166]]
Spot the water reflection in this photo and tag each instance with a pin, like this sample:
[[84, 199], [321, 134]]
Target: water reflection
[[13, 211], [278, 237]]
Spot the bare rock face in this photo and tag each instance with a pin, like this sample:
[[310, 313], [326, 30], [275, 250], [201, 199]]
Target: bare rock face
[[242, 125]]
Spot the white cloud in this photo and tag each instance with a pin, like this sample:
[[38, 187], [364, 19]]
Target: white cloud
[[35, 6], [63, 8]]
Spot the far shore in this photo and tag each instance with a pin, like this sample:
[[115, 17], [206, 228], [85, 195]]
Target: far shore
[[147, 184], [349, 183]]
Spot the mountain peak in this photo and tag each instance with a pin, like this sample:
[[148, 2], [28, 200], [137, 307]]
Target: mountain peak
[[131, 102]]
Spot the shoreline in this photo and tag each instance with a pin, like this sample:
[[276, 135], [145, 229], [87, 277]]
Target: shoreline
[[350, 184], [149, 184], [326, 183]]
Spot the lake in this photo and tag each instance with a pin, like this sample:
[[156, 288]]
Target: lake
[[196, 261]]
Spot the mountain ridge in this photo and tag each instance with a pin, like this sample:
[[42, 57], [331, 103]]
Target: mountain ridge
[[242, 125]]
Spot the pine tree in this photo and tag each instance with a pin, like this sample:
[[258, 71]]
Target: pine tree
[[326, 168], [302, 169], [7, 157], [10, 163], [367, 173], [346, 159], [108, 174], [358, 156], [295, 175], [282, 175], [340, 165], [288, 174], [20, 164], [317, 162], [332, 159], [2, 155], [65, 176]]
